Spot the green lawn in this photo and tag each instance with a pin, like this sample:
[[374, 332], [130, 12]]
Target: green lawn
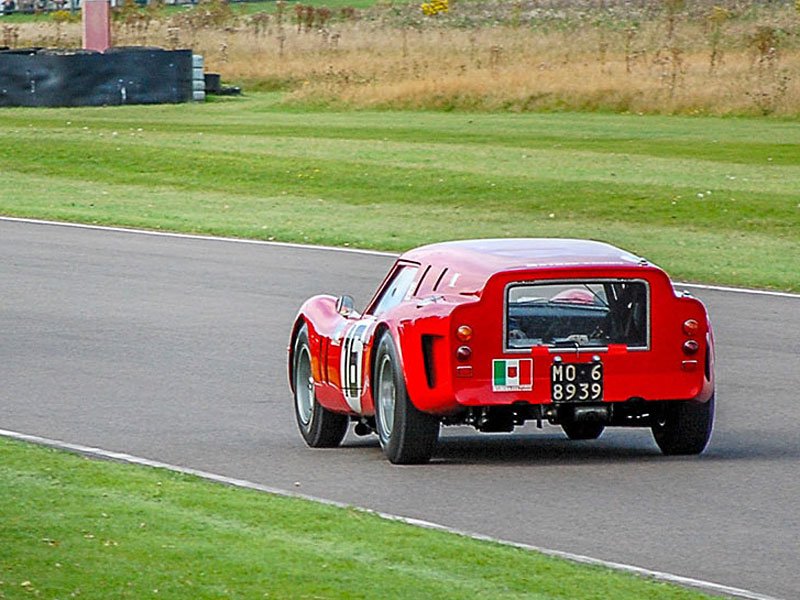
[[710, 199], [75, 528]]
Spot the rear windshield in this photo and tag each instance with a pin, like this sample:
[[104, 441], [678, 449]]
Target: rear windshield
[[580, 314]]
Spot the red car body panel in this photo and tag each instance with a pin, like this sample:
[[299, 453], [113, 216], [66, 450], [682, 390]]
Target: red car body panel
[[466, 283]]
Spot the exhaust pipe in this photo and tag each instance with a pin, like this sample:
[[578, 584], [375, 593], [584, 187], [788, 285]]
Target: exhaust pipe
[[591, 414], [363, 429]]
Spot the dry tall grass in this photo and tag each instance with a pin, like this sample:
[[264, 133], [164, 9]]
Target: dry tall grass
[[698, 58]]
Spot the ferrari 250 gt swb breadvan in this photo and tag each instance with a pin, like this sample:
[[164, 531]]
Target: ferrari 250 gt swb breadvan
[[493, 333]]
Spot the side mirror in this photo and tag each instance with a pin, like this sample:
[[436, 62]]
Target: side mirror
[[345, 306]]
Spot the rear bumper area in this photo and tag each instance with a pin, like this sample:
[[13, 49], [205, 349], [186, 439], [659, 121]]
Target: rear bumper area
[[613, 375]]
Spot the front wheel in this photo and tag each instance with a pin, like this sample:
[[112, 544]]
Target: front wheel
[[319, 427], [407, 435], [684, 427]]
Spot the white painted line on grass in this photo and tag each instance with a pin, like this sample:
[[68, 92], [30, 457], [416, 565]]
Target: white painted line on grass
[[707, 586], [210, 238]]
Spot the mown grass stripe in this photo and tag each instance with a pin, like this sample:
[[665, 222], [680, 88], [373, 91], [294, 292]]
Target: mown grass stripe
[[533, 164], [109, 161]]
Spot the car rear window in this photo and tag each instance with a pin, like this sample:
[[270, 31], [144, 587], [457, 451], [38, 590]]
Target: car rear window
[[577, 314]]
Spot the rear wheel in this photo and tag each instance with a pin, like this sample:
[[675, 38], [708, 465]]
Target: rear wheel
[[684, 427], [319, 427], [583, 431], [407, 435]]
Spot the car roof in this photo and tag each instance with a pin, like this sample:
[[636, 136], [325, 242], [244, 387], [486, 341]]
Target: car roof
[[484, 257]]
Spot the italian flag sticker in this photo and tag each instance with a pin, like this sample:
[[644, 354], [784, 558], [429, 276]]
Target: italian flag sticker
[[512, 375]]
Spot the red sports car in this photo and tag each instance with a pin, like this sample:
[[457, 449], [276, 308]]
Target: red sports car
[[493, 333]]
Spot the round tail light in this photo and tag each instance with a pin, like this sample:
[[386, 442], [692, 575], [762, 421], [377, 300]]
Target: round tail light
[[463, 353], [690, 347], [464, 333], [691, 327]]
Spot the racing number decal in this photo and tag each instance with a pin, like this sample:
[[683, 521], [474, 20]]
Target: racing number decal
[[351, 364]]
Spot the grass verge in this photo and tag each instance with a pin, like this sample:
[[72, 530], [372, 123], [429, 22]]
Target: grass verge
[[710, 199], [73, 527]]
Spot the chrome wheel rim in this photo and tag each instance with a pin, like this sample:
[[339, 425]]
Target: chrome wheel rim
[[304, 387], [386, 396]]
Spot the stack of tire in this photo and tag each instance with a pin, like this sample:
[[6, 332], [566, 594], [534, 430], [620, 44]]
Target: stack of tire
[[198, 78]]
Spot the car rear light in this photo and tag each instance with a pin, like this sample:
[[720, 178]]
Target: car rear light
[[464, 333], [464, 371], [463, 353], [691, 327], [690, 347]]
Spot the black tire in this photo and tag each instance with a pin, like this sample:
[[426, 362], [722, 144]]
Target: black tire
[[319, 427], [684, 427], [583, 431], [407, 435]]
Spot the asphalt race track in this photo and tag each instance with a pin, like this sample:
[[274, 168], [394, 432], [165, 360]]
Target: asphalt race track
[[174, 350]]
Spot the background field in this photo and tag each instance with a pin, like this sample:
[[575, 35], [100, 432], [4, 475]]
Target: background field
[[723, 57], [714, 200]]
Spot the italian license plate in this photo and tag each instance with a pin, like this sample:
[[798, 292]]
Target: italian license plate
[[576, 382]]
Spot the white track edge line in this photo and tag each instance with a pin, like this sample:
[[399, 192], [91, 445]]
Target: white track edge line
[[242, 483], [190, 236], [723, 288], [211, 238]]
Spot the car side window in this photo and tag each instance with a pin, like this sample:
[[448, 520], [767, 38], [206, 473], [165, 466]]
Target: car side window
[[396, 290]]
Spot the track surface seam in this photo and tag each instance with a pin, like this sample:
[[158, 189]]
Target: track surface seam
[[707, 586]]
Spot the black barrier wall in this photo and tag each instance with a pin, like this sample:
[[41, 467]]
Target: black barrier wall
[[119, 76]]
